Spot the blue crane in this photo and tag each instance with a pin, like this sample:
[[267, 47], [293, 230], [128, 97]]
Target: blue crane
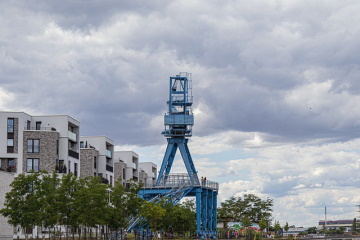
[[178, 122]]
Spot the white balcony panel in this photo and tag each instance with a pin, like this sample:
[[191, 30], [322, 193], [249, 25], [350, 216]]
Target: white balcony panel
[[72, 136], [108, 153]]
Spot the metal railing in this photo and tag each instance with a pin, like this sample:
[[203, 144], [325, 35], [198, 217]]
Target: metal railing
[[40, 129], [183, 179], [109, 168]]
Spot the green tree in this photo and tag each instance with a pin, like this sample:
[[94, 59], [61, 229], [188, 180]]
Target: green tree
[[22, 205], [286, 227], [90, 200], [116, 210], [277, 228], [249, 206], [263, 224], [312, 230], [66, 202], [49, 199], [179, 218], [153, 214], [354, 227]]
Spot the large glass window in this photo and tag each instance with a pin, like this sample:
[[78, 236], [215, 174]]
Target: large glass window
[[32, 164], [33, 145], [10, 125], [10, 142]]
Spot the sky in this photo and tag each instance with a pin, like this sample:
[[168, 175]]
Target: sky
[[275, 85]]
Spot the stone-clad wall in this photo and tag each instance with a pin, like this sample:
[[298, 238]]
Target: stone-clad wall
[[87, 162], [16, 135], [48, 149], [6, 230], [118, 170]]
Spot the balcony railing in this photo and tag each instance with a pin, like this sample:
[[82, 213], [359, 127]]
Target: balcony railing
[[8, 168], [40, 129], [108, 153], [109, 168], [72, 136], [73, 154]]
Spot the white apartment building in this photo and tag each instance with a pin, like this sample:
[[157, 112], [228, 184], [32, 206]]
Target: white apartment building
[[97, 157], [34, 143], [131, 160], [52, 142], [148, 173]]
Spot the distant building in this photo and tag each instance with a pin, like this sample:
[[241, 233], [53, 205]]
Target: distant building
[[149, 173], [97, 157], [294, 231], [131, 159], [336, 224]]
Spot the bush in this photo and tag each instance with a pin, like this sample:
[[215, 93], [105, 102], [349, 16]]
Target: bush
[[130, 236]]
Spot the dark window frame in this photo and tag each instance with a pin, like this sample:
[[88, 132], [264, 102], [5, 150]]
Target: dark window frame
[[28, 170], [38, 125], [32, 148], [11, 126]]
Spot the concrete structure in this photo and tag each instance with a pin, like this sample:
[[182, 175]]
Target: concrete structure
[[147, 173], [97, 157], [131, 159]]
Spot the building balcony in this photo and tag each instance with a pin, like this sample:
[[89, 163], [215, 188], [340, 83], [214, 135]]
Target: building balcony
[[109, 168], [8, 168], [40, 129], [108, 153], [72, 136], [61, 168], [73, 154]]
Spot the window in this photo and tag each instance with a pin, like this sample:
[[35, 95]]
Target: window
[[33, 145], [28, 125], [111, 180], [10, 142], [11, 162], [32, 164], [38, 125], [75, 169], [81, 144], [10, 125], [95, 162], [69, 165]]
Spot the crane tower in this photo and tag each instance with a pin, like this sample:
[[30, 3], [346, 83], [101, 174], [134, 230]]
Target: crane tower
[[178, 122]]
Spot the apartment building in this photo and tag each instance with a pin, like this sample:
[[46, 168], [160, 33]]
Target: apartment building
[[34, 143], [52, 142], [97, 158], [148, 173], [131, 160]]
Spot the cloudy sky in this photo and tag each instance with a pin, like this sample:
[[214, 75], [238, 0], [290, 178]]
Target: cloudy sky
[[275, 83]]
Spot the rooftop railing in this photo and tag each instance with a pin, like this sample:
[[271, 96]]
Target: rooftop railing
[[40, 129]]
